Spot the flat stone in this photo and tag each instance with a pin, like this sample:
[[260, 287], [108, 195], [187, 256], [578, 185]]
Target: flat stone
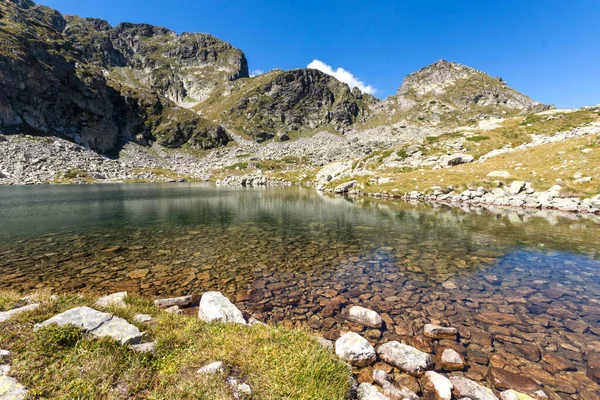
[[364, 316], [496, 318], [502, 379], [593, 366], [366, 391], [559, 363], [354, 349], [514, 395], [6, 315], [142, 318], [467, 389], [439, 332], [148, 348], [173, 310], [214, 307], [516, 187], [211, 369], [436, 386], [450, 360], [182, 301], [115, 299], [85, 318], [498, 174], [405, 358], [10, 389], [97, 323], [529, 351], [120, 330]]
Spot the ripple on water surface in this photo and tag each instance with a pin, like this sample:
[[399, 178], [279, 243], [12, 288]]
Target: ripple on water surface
[[519, 285]]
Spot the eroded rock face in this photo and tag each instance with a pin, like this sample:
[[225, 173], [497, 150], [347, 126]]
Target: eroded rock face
[[406, 358], [214, 307], [354, 349]]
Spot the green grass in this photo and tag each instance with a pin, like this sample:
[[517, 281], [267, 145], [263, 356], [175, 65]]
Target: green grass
[[64, 363]]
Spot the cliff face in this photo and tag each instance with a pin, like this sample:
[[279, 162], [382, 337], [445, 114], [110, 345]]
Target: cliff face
[[280, 102], [451, 92], [54, 82]]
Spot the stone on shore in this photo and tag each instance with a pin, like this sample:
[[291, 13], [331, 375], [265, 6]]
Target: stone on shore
[[516, 187], [97, 323], [364, 316], [216, 307], [436, 386], [450, 360], [390, 390], [354, 349], [513, 395], [6, 315], [173, 310], [182, 301], [366, 391], [115, 299], [439, 332], [406, 358], [467, 389], [344, 187], [211, 369], [10, 389]]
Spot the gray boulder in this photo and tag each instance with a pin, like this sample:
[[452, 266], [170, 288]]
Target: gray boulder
[[364, 316], [366, 391], [354, 349], [10, 389], [406, 358], [467, 389], [6, 315], [115, 299], [344, 187], [216, 307]]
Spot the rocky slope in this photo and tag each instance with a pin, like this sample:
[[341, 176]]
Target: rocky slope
[[447, 92], [281, 103], [52, 83]]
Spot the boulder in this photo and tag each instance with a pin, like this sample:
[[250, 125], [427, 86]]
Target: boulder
[[455, 159], [10, 389], [182, 301], [115, 299], [406, 358], [364, 316], [97, 323], [6, 315], [516, 187], [439, 332], [214, 307], [467, 389], [354, 349], [436, 386], [450, 360], [366, 391], [390, 390], [345, 187]]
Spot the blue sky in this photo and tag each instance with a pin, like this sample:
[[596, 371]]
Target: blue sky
[[547, 49]]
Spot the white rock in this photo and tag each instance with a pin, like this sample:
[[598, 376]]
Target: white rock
[[4, 369], [212, 368], [451, 360], [143, 347], [439, 332], [353, 348], [216, 307], [364, 316], [115, 299], [583, 180], [406, 358], [6, 315], [142, 318], [173, 310], [466, 388], [366, 391], [10, 389], [438, 386], [327, 344], [516, 187], [4, 353], [513, 395], [499, 174]]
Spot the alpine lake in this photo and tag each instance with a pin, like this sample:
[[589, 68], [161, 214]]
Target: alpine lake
[[521, 286]]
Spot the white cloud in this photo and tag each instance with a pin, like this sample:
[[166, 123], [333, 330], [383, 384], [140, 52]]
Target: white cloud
[[255, 72], [342, 75]]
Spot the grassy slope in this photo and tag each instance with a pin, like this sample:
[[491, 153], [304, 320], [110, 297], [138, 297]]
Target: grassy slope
[[543, 165], [61, 363]]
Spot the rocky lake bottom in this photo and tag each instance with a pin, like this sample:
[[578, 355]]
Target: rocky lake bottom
[[522, 287]]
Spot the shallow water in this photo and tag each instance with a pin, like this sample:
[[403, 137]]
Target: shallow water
[[292, 256]]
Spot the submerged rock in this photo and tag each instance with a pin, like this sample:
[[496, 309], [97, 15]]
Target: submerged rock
[[353, 348], [466, 388], [513, 395], [406, 358], [216, 307], [364, 316], [439, 332]]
